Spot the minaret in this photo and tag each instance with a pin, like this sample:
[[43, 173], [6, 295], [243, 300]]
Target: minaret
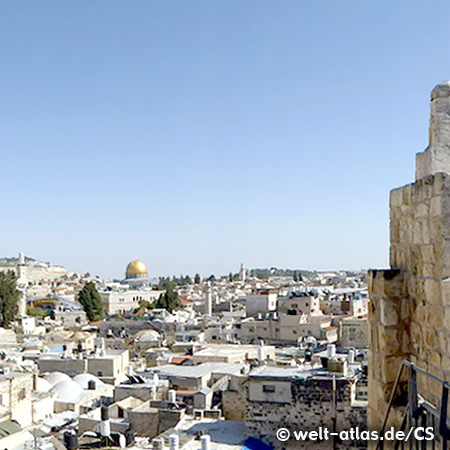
[[242, 273], [22, 284], [208, 300]]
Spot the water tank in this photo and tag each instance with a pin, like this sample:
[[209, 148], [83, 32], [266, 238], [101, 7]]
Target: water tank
[[158, 444], [308, 355], [172, 396], [105, 425], [261, 354], [71, 441], [174, 442], [91, 385], [206, 442], [351, 357], [331, 351]]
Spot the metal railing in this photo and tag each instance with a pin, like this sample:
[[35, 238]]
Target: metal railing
[[419, 414]]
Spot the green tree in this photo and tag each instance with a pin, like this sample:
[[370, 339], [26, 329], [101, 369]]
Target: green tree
[[169, 300], [230, 277], [9, 297], [91, 301], [197, 278], [39, 313]]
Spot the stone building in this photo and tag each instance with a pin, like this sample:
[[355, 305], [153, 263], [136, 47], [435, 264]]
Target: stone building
[[261, 302], [354, 333], [304, 400], [16, 397], [409, 312]]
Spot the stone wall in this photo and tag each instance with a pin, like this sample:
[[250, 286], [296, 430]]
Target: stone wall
[[15, 398], [354, 333], [313, 405], [410, 303], [234, 400]]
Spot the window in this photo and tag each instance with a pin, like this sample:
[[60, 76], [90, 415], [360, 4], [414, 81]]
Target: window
[[268, 388], [4, 399], [21, 394]]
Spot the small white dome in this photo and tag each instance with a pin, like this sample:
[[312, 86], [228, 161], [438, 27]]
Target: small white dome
[[55, 377], [84, 378], [68, 391], [147, 336], [42, 385]]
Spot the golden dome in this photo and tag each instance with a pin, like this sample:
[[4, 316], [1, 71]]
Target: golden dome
[[136, 267]]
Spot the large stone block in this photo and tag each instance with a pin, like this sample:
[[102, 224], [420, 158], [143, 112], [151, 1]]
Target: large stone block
[[389, 340], [388, 312], [396, 199], [436, 206], [421, 211], [406, 308], [390, 368], [432, 291], [435, 316]]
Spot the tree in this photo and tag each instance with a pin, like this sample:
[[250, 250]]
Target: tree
[[169, 300], [9, 297], [91, 301], [197, 278], [295, 276], [230, 277], [166, 283]]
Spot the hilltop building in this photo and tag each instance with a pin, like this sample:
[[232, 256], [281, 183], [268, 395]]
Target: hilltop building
[[136, 274]]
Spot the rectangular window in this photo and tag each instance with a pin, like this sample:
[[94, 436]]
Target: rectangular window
[[268, 388]]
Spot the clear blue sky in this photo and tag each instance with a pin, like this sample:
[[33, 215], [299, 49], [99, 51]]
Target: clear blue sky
[[196, 135]]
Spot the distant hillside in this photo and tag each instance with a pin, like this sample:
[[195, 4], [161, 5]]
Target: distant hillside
[[264, 274]]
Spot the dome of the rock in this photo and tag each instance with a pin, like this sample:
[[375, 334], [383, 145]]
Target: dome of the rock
[[136, 267]]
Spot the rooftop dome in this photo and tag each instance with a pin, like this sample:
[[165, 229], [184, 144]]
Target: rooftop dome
[[55, 377], [68, 391], [84, 378], [42, 385], [136, 267], [147, 336]]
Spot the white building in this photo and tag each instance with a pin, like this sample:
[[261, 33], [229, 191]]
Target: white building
[[262, 302], [119, 302]]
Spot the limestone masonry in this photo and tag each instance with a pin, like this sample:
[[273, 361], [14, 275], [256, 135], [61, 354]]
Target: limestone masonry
[[409, 312]]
